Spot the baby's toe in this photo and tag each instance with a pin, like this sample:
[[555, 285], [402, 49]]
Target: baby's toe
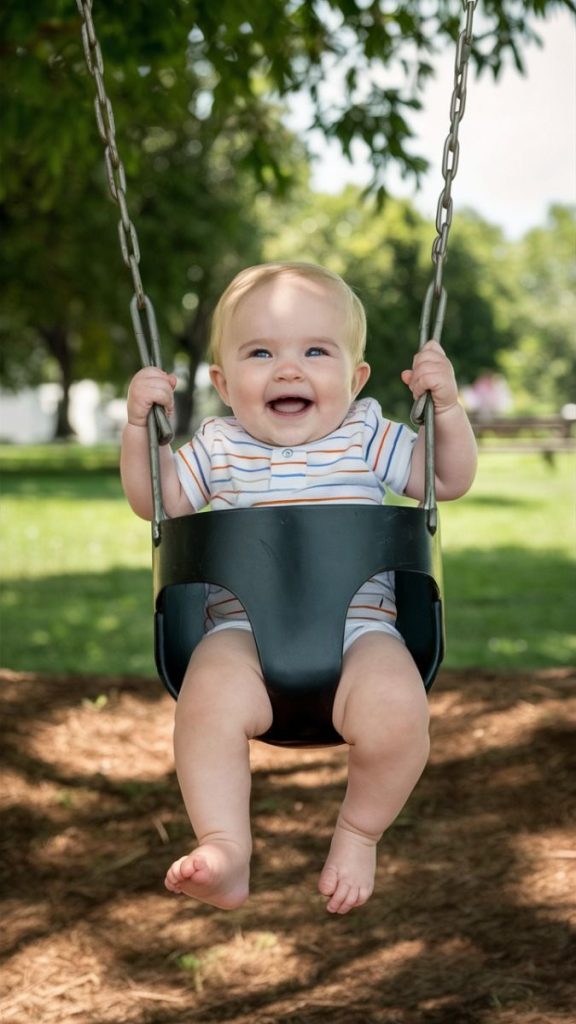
[[171, 882], [343, 898], [328, 882], [176, 875]]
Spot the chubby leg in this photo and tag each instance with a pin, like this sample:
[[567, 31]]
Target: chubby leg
[[382, 713], [222, 705]]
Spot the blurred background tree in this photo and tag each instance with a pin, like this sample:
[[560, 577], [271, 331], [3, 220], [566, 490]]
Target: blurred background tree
[[541, 363], [385, 256], [198, 92]]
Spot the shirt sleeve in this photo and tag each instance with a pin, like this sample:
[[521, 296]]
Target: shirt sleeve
[[388, 448], [193, 465]]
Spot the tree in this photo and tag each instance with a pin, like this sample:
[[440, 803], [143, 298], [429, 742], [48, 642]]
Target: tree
[[541, 367], [235, 51], [189, 77], [386, 257], [192, 202]]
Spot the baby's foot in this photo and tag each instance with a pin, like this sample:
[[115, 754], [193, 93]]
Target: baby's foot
[[216, 873], [348, 874]]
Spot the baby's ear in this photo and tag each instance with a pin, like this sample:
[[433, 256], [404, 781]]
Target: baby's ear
[[219, 382], [360, 377]]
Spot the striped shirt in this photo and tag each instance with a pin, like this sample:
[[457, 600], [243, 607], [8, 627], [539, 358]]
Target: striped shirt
[[367, 455]]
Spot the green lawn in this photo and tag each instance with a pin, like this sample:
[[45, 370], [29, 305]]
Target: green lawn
[[77, 597], [510, 565]]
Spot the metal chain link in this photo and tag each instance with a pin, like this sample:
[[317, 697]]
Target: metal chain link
[[452, 146], [141, 308], [434, 305], [435, 300]]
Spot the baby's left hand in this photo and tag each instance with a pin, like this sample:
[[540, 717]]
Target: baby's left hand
[[432, 371]]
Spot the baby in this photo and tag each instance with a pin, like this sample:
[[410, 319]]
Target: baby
[[287, 353]]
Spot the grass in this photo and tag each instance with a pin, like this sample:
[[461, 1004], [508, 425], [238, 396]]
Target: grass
[[76, 594], [510, 566]]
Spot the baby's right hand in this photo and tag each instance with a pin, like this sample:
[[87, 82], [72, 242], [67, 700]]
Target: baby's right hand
[[149, 387]]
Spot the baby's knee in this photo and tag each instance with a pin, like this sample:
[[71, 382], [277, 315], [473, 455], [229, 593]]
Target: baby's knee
[[407, 713], [400, 744], [218, 696], [400, 720]]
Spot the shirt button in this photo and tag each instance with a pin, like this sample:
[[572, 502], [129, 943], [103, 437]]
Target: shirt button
[[288, 453]]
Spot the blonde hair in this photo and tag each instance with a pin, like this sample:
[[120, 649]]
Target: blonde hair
[[250, 278]]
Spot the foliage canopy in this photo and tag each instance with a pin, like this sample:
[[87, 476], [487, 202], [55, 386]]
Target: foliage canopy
[[197, 89], [219, 60]]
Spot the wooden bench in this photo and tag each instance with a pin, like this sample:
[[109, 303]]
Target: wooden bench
[[543, 435]]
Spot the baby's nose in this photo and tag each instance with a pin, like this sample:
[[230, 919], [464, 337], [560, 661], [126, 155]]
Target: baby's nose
[[289, 369]]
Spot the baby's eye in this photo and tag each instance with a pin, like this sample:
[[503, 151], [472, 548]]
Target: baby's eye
[[316, 350], [260, 353]]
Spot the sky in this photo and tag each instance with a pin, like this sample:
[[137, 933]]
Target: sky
[[517, 138]]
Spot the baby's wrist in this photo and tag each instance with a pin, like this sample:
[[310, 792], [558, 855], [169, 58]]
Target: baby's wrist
[[447, 408]]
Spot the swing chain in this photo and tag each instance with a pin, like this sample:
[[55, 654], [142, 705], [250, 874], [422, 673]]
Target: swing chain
[[434, 305], [141, 308], [451, 152]]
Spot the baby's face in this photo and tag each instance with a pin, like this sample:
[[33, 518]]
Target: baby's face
[[286, 368]]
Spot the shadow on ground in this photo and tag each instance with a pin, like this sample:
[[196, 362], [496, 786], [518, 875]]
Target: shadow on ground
[[470, 922]]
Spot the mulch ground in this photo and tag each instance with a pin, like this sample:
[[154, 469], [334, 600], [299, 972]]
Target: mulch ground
[[476, 887]]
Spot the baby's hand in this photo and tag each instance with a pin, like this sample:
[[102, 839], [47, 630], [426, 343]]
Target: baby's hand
[[432, 371], [149, 387]]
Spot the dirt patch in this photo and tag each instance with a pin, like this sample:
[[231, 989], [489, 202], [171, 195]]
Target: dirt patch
[[470, 922]]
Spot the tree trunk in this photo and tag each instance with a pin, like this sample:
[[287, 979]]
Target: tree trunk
[[57, 339], [193, 341]]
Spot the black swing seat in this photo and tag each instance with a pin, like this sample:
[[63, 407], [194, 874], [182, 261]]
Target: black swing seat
[[295, 571]]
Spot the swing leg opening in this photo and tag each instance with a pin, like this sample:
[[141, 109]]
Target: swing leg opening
[[302, 720]]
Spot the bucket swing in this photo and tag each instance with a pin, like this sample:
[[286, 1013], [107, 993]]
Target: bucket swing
[[276, 561]]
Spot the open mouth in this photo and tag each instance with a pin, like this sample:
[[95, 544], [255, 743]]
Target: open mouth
[[289, 405]]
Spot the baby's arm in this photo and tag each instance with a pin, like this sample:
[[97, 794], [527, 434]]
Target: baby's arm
[[149, 387], [455, 444]]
